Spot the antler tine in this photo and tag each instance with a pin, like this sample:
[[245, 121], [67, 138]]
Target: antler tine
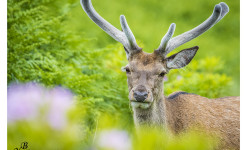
[[219, 12], [224, 10], [126, 38], [130, 36], [101, 22], [166, 38]]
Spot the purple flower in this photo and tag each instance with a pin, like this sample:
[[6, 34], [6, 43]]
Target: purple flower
[[165, 78], [26, 102], [114, 139], [23, 101], [60, 102]]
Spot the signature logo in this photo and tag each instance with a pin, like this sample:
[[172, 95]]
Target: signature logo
[[24, 145]]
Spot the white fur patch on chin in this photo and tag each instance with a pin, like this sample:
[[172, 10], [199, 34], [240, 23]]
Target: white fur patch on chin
[[140, 105]]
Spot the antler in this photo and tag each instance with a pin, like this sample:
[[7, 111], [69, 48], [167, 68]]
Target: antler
[[126, 37], [167, 45]]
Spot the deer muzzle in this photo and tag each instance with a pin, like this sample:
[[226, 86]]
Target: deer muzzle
[[140, 97]]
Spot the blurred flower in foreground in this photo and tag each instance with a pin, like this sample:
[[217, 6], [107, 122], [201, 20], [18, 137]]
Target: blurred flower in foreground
[[60, 102], [114, 140], [33, 102]]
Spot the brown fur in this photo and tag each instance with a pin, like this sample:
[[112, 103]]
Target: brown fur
[[219, 117], [181, 111]]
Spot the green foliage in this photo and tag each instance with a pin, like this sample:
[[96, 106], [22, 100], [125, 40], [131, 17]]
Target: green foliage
[[203, 77], [42, 136], [154, 139], [32, 42], [63, 47]]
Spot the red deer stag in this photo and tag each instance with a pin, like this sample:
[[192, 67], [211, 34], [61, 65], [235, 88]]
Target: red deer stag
[[145, 72]]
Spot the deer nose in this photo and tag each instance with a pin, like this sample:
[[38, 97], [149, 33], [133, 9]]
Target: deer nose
[[140, 96]]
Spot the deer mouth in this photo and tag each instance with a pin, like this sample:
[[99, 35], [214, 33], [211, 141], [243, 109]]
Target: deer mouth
[[142, 105]]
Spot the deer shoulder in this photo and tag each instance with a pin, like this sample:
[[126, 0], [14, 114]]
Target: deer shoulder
[[220, 117]]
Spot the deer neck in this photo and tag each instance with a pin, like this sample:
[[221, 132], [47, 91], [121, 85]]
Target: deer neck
[[153, 116]]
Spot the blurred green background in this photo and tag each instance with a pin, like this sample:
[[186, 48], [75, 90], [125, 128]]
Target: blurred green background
[[54, 43]]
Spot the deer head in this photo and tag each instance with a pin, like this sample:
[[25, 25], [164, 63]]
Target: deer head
[[145, 71]]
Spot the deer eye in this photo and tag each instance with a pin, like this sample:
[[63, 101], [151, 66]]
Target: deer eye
[[162, 74], [127, 70]]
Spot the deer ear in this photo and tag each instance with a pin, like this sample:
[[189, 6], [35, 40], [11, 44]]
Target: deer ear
[[181, 58]]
